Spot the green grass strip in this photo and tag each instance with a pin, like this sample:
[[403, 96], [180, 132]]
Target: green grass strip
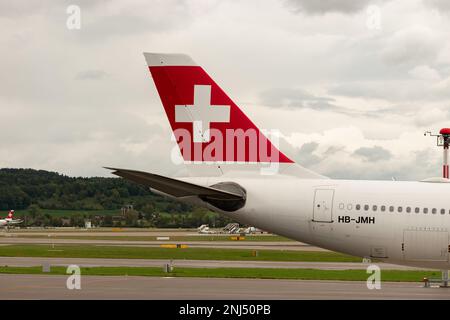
[[249, 273], [123, 252]]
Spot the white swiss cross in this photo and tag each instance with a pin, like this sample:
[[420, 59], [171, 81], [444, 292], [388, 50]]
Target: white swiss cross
[[202, 113]]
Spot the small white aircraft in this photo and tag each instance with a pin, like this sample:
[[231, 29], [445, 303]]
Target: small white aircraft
[[251, 230], [9, 220], [204, 229], [234, 169]]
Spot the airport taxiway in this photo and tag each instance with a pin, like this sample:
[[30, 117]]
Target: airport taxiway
[[94, 262], [129, 232], [252, 245], [119, 287]]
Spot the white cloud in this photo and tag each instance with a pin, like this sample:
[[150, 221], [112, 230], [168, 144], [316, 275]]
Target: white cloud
[[411, 46], [373, 154], [326, 6], [74, 101], [431, 116], [91, 75], [425, 73], [440, 5]]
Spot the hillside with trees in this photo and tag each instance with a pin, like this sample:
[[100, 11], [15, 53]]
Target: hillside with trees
[[44, 198]]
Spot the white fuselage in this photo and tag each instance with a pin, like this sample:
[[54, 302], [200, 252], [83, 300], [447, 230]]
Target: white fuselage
[[8, 221], [399, 222], [353, 217]]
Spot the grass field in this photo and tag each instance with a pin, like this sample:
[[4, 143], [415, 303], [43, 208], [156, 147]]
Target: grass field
[[249, 273], [92, 251]]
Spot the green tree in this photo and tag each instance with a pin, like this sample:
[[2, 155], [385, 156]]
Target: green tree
[[34, 210]]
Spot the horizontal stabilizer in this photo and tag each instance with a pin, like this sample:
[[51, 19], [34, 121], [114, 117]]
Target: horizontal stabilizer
[[174, 187]]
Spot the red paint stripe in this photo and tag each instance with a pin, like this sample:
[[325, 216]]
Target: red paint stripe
[[175, 85]]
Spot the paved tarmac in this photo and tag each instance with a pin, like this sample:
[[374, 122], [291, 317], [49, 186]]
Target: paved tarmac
[[107, 287], [92, 262], [255, 245], [141, 232]]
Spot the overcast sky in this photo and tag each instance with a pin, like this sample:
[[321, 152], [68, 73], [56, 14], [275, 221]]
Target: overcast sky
[[351, 85]]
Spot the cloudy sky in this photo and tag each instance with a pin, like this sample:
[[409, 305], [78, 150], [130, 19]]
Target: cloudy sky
[[351, 85]]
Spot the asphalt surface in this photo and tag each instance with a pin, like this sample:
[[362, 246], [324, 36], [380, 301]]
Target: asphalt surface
[[255, 245], [120, 287], [53, 236], [92, 262], [106, 287]]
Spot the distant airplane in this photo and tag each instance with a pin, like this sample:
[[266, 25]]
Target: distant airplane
[[204, 229], [234, 169], [251, 230], [9, 220]]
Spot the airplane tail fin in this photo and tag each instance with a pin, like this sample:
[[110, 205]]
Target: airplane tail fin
[[10, 214], [210, 129]]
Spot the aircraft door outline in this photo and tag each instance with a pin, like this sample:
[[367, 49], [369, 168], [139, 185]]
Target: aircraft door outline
[[323, 205]]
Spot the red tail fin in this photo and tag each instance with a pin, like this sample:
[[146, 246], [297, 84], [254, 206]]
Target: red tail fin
[[207, 124]]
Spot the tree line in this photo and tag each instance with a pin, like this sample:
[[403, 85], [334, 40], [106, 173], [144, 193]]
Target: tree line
[[37, 190]]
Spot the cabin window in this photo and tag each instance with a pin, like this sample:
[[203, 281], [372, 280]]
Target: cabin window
[[417, 210], [383, 208], [408, 209], [366, 207], [349, 207], [374, 208], [391, 208], [400, 209], [434, 210], [442, 211], [425, 210], [358, 207], [341, 206]]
